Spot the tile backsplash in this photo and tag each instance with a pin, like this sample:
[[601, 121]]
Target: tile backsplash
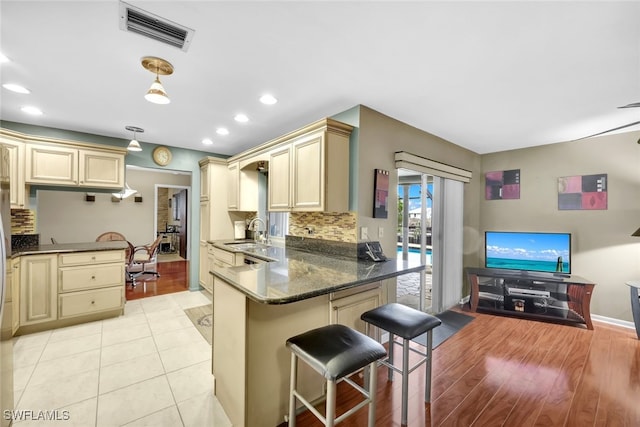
[[23, 221], [339, 227]]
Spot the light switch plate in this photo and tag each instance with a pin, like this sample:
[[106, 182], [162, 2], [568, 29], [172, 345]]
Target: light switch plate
[[364, 233], [380, 232]]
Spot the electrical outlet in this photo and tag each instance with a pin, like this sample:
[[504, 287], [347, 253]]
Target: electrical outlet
[[364, 233], [380, 232]]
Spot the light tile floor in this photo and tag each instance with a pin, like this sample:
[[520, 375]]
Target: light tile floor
[[150, 367]]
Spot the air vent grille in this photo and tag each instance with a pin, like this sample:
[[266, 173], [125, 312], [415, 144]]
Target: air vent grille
[[149, 25]]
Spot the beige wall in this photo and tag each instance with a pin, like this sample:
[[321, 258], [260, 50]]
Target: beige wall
[[66, 216], [603, 250], [380, 137]]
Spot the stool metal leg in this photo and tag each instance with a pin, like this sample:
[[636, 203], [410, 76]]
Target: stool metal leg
[[292, 386], [427, 377], [405, 380], [373, 379], [330, 414], [391, 340]]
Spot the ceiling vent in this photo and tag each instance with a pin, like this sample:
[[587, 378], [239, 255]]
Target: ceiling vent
[[153, 26]]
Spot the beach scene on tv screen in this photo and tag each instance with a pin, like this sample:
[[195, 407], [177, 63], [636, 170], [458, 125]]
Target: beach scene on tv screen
[[528, 251]]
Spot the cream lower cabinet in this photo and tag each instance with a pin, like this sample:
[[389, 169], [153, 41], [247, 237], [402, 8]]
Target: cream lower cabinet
[[90, 282], [347, 306], [38, 289], [15, 293]]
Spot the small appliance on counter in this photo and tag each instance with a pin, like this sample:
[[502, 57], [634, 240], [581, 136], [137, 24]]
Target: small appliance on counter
[[239, 229], [371, 251]]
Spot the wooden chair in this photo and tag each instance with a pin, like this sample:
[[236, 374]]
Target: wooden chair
[[110, 236]]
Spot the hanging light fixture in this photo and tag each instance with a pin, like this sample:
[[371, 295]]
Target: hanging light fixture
[[134, 145], [158, 66], [126, 192]]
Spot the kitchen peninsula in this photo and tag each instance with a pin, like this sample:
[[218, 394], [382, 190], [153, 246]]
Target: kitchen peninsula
[[257, 306]]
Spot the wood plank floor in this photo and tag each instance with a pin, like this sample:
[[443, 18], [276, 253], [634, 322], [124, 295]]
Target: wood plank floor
[[502, 371], [174, 277]]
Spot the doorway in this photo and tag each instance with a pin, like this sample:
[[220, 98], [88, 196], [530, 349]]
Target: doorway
[[172, 221], [415, 201]]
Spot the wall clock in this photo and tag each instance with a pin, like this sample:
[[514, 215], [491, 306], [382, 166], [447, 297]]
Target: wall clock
[[162, 156]]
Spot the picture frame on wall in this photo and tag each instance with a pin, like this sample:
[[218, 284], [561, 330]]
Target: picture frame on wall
[[502, 185], [583, 192], [381, 194]]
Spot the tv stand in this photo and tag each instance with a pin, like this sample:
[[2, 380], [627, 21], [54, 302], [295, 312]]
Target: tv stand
[[541, 296]]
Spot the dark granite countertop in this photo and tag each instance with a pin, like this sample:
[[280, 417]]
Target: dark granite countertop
[[295, 275], [70, 247]]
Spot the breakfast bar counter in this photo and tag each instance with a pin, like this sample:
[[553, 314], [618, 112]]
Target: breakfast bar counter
[[281, 293]]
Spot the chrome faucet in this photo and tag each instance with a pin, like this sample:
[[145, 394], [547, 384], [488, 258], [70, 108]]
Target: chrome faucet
[[266, 231]]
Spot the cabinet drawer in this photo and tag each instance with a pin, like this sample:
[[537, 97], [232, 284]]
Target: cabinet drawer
[[224, 256], [81, 258], [87, 302], [94, 276]]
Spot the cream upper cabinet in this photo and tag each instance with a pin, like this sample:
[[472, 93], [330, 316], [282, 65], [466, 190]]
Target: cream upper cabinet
[[311, 172], [49, 164], [18, 190], [204, 182], [38, 289], [280, 179], [63, 165], [233, 186], [101, 169]]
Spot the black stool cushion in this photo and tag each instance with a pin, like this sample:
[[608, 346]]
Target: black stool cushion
[[336, 350], [401, 320]]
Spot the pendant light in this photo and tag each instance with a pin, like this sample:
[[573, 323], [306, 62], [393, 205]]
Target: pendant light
[[158, 66], [134, 145]]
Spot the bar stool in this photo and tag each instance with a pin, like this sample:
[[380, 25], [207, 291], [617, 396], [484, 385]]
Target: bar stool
[[408, 323], [335, 352]]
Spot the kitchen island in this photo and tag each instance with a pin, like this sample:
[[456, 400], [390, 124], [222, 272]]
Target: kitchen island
[[257, 306], [64, 284]]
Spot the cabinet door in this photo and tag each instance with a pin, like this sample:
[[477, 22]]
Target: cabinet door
[[204, 182], [15, 293], [279, 179], [205, 223], [308, 186], [38, 284], [101, 169], [233, 191], [203, 276], [16, 172], [47, 164], [347, 311]]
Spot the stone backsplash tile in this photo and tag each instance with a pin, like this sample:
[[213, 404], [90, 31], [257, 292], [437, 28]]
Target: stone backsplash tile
[[339, 227], [23, 221]]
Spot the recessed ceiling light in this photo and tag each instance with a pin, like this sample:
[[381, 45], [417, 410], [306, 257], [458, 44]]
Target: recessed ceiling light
[[16, 88], [242, 118], [222, 131], [32, 110], [207, 141], [3, 58], [268, 99]]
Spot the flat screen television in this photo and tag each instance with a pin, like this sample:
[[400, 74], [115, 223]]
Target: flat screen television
[[514, 250]]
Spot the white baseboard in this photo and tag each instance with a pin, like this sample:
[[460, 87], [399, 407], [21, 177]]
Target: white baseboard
[[612, 321]]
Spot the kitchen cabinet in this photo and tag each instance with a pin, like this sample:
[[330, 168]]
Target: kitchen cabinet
[[233, 186], [15, 294], [61, 289], [310, 172], [51, 164], [38, 289], [18, 191], [346, 307], [242, 194]]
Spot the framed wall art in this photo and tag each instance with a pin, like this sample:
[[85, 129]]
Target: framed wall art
[[502, 185], [381, 194], [582, 192]]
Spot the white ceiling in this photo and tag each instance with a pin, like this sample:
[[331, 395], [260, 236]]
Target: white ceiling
[[489, 76]]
